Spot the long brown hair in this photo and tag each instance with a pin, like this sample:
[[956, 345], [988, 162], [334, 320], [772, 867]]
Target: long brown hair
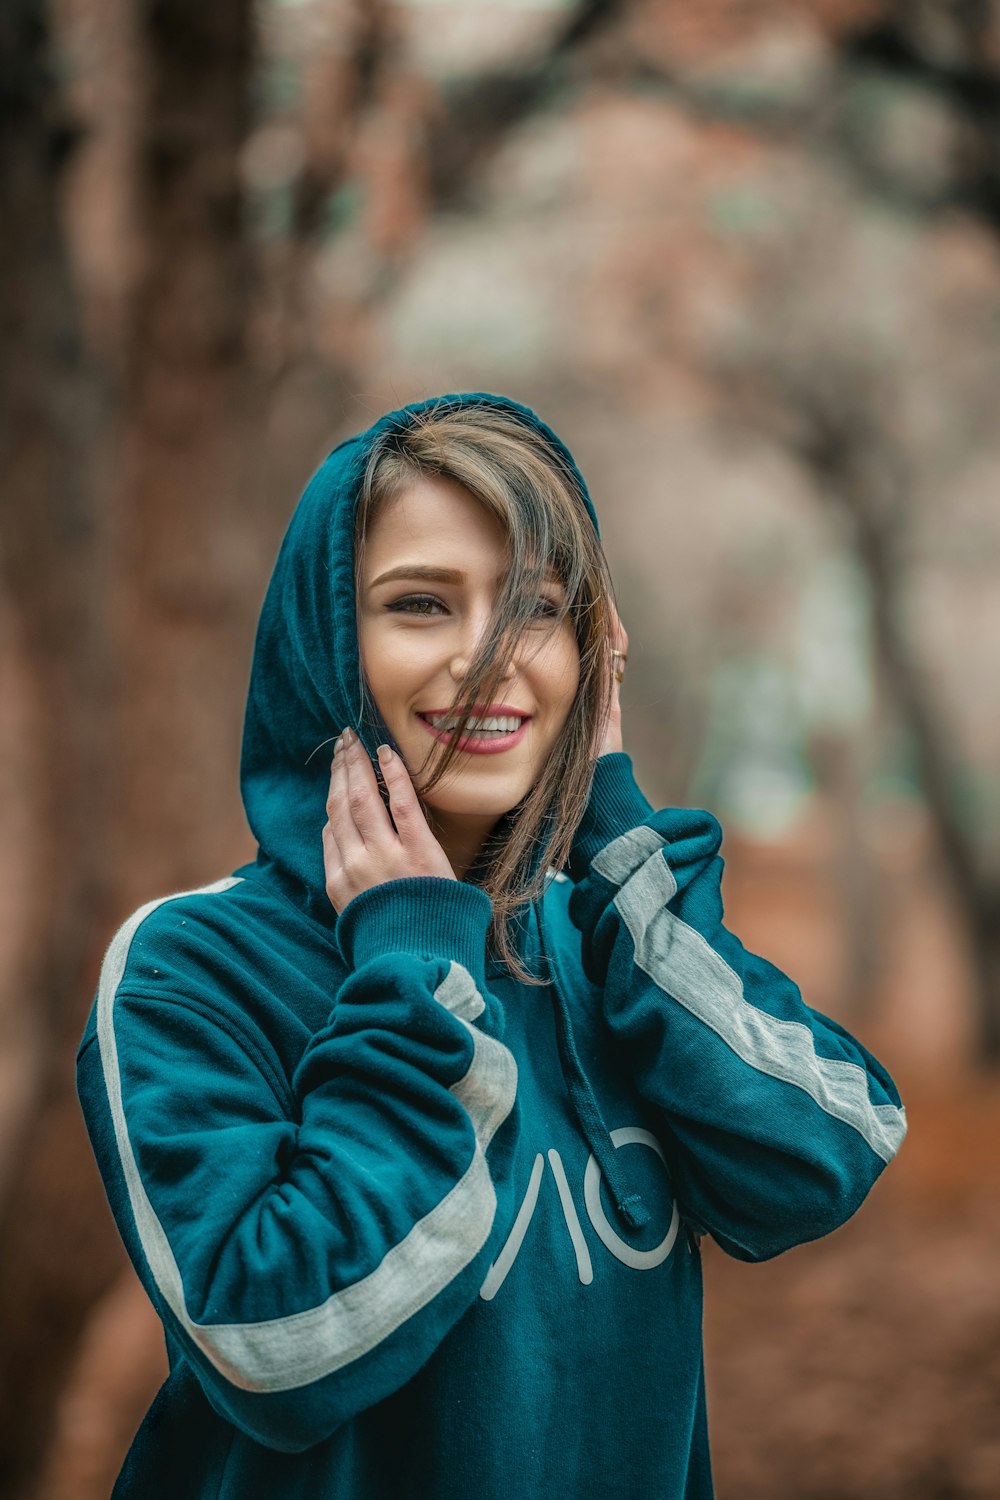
[[512, 470]]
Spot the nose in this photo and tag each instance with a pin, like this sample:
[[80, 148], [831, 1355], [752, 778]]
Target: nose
[[460, 667]]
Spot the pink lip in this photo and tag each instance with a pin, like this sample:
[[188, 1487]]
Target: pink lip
[[480, 747]]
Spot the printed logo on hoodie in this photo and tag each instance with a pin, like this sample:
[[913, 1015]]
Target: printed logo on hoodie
[[590, 1191]]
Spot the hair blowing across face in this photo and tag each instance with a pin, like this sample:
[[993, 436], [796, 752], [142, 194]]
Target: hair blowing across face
[[520, 479]]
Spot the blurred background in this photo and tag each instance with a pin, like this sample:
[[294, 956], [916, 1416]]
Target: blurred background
[[744, 255]]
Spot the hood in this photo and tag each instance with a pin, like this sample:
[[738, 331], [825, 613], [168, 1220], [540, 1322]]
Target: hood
[[305, 681], [305, 685]]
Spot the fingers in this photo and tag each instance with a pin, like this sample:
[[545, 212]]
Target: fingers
[[361, 847], [618, 643], [619, 635], [407, 814], [340, 821], [358, 807], [418, 848]]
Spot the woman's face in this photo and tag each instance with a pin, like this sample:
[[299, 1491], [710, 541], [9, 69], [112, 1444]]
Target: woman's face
[[418, 631]]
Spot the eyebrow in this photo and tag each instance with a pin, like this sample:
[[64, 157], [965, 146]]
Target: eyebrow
[[438, 575]]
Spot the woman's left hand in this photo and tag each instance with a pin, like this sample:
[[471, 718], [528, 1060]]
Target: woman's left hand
[[619, 642]]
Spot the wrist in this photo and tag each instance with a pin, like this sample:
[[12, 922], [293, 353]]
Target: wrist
[[612, 742], [616, 804], [427, 916]]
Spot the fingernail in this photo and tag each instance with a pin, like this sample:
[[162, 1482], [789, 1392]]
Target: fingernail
[[347, 737], [384, 754], [339, 745]]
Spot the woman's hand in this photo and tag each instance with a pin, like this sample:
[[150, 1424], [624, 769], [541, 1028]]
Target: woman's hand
[[619, 642], [360, 846]]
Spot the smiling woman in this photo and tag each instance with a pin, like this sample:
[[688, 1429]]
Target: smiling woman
[[413, 1126], [416, 651], [521, 625]]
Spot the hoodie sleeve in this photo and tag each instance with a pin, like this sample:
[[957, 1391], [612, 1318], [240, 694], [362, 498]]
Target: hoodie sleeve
[[779, 1120], [310, 1246]]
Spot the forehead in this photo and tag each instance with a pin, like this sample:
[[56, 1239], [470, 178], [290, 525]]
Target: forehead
[[435, 526]]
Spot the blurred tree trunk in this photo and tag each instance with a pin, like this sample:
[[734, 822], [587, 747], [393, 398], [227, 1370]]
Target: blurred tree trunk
[[843, 761], [178, 587], [52, 562], [861, 488], [839, 431], [188, 562]]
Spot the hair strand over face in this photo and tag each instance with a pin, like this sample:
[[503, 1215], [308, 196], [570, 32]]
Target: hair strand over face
[[526, 485]]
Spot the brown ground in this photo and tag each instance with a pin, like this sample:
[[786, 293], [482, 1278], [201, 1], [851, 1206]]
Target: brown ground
[[868, 1364]]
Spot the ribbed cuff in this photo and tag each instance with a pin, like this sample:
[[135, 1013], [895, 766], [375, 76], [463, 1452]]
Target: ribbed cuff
[[421, 914], [616, 804]]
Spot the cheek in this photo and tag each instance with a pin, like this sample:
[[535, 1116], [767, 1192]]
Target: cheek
[[382, 671], [561, 672], [391, 669]]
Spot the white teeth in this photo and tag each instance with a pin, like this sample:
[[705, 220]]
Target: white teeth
[[507, 724]]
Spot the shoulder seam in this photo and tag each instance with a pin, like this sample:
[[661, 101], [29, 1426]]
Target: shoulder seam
[[214, 888]]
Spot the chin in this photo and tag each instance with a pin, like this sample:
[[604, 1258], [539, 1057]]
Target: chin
[[471, 806], [473, 801]]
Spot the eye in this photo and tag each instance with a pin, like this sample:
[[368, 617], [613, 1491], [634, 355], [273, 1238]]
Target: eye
[[547, 607], [401, 606]]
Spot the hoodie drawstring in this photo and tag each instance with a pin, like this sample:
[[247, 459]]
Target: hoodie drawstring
[[585, 1106]]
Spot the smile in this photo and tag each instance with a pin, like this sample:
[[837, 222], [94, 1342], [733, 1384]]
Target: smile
[[481, 742]]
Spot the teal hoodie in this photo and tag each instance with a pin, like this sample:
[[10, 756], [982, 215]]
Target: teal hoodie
[[416, 1230]]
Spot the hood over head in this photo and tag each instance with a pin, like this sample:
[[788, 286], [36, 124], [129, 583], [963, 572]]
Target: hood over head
[[305, 681]]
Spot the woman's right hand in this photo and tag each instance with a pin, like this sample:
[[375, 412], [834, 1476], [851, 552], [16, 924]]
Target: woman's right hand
[[360, 846]]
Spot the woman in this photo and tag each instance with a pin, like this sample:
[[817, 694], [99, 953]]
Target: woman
[[412, 1127]]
